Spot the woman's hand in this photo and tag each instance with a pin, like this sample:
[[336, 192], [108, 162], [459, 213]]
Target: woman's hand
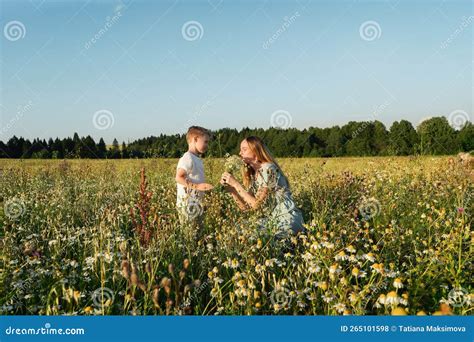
[[228, 179], [227, 188]]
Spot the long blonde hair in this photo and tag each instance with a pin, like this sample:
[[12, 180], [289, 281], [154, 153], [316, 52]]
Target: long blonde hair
[[258, 147]]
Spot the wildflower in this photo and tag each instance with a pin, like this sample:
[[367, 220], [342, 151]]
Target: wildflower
[[314, 269], [404, 299], [350, 249], [392, 298], [232, 163], [355, 271], [288, 255], [382, 298], [236, 276], [399, 312], [369, 256], [377, 268], [333, 269], [398, 283], [307, 256], [445, 309], [88, 309], [353, 297], [322, 285], [421, 313], [341, 256], [328, 245], [235, 263], [89, 261], [340, 308], [269, 263], [259, 268], [327, 298]]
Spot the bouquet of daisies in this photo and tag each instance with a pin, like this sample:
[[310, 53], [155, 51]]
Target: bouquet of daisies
[[232, 163]]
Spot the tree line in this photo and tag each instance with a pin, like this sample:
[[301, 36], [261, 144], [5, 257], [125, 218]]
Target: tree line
[[434, 136]]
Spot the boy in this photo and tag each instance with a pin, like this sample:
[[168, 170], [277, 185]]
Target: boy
[[190, 180]]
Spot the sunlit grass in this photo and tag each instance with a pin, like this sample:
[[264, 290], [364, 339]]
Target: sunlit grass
[[385, 235]]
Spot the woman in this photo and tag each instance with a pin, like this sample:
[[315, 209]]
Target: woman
[[266, 189]]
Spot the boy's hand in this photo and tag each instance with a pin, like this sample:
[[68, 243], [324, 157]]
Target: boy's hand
[[204, 187]]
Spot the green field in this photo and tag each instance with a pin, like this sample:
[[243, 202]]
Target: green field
[[385, 236]]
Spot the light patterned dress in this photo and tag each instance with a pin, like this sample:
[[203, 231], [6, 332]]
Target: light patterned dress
[[277, 205]]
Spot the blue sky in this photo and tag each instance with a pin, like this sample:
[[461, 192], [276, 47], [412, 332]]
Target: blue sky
[[321, 63]]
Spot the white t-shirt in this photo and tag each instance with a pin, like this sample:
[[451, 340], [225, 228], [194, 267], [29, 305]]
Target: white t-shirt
[[194, 168]]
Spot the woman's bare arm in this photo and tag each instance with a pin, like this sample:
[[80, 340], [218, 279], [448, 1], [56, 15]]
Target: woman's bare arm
[[240, 202], [242, 196]]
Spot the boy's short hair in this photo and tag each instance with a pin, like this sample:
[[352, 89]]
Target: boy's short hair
[[196, 131]]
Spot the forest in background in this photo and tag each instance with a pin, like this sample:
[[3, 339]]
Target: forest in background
[[434, 136]]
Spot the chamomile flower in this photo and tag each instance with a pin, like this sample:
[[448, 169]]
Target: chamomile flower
[[369, 256], [392, 298], [398, 283], [341, 256]]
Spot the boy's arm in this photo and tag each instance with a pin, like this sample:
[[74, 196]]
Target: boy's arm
[[182, 178]]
